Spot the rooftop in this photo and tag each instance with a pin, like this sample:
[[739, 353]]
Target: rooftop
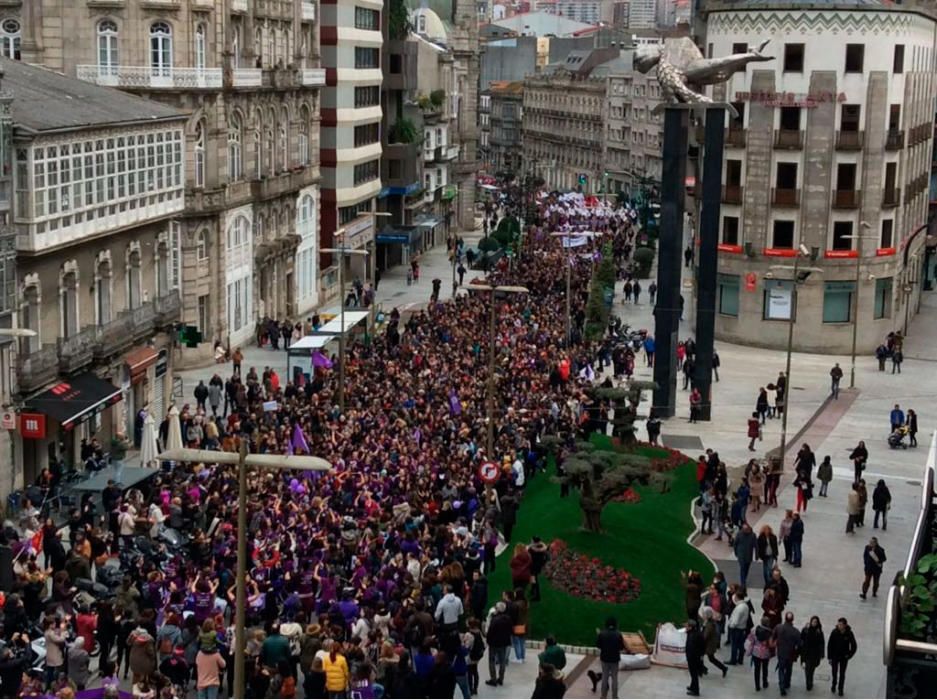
[[541, 24], [506, 87], [44, 100]]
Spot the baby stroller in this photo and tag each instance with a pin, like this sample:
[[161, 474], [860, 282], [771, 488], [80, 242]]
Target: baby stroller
[[896, 439]]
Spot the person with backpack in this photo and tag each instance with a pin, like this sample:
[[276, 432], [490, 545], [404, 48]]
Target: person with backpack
[[758, 646]]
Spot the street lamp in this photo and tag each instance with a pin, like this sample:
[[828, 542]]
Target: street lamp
[[375, 215], [243, 460], [800, 275], [342, 252], [568, 289], [864, 225], [504, 289]]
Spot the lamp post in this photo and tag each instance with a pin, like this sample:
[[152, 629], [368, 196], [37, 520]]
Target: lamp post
[[374, 216], [800, 275], [342, 252], [243, 460], [569, 313], [505, 289], [855, 304]]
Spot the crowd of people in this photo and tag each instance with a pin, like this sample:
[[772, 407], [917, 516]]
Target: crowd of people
[[368, 579]]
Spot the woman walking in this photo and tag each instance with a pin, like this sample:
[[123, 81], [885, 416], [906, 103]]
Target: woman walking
[[812, 646], [758, 645], [912, 427], [825, 475], [520, 617], [767, 550], [881, 503], [859, 457]]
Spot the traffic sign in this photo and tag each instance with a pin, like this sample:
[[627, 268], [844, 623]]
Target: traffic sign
[[8, 420], [489, 472]]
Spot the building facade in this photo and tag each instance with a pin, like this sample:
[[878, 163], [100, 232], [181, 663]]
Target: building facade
[[484, 128], [247, 72], [98, 196], [832, 150], [506, 127], [352, 44]]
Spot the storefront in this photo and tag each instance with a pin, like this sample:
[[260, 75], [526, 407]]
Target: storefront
[[136, 386], [55, 421], [397, 245]]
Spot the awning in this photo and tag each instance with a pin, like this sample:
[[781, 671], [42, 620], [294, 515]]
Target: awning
[[431, 222], [75, 400], [138, 360], [407, 235], [305, 346], [352, 319]]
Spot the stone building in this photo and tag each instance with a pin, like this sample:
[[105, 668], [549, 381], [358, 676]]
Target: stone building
[[506, 126], [247, 72], [98, 186], [832, 150]]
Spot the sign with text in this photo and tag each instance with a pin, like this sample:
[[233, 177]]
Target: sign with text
[[790, 99], [33, 426]]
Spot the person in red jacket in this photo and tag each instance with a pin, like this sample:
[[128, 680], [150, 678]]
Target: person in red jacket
[[754, 430]]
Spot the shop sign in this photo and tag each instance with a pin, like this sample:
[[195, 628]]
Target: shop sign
[[358, 233], [8, 420], [790, 99], [33, 426], [841, 254], [750, 282]]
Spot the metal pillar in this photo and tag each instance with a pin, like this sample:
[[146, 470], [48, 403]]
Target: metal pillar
[[669, 260], [706, 267]]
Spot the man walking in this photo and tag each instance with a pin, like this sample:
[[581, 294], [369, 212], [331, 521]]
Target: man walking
[[836, 374], [744, 547], [896, 417], [499, 641], [840, 647], [852, 509], [652, 292], [873, 559], [695, 649], [610, 644], [787, 643]]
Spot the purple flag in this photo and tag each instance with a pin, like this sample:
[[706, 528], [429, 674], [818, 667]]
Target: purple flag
[[320, 360], [299, 440]]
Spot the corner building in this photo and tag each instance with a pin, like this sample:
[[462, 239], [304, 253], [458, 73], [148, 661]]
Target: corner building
[[831, 149]]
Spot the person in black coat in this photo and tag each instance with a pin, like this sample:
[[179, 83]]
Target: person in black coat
[[911, 422], [695, 650], [538, 559], [873, 559], [499, 640], [478, 595], [547, 684], [881, 502], [441, 682], [812, 648], [840, 648]]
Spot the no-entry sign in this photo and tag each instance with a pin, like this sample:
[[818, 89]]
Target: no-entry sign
[[488, 472]]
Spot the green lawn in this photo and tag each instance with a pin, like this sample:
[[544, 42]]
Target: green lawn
[[648, 539]]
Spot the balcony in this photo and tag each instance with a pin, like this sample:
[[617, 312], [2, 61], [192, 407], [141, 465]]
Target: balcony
[[732, 194], [735, 137], [132, 327], [247, 77], [894, 140], [77, 351], [891, 197], [405, 174], [846, 199], [282, 183], [447, 153], [309, 11], [38, 368], [147, 77], [239, 5], [312, 77], [849, 140], [792, 139], [784, 197]]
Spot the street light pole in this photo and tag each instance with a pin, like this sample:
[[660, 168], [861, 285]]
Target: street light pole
[[569, 313], [342, 251], [243, 460], [855, 303]]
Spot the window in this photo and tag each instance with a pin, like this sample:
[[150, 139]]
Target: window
[[367, 57], [236, 47], [842, 235], [888, 233], [897, 61], [68, 299], [837, 301], [369, 96], [849, 117], [201, 246], [395, 63], [108, 56], [200, 154], [733, 173], [739, 48], [783, 234], [283, 139], [367, 133], [162, 268], [203, 314], [779, 300], [738, 122], [793, 58], [235, 162], [367, 19], [727, 294], [10, 38], [786, 176], [303, 138], [366, 171], [258, 154], [102, 290], [346, 214], [730, 230], [200, 39], [855, 55], [160, 49], [790, 118], [134, 286], [894, 117], [883, 295]]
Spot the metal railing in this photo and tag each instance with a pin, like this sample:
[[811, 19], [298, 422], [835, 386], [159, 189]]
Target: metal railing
[[150, 77], [846, 199], [849, 140], [788, 138], [894, 140], [247, 77], [783, 197], [732, 194]]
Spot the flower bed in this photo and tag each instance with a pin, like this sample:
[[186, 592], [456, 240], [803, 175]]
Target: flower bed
[[587, 577]]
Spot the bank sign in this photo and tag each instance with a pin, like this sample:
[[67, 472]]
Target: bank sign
[[790, 99]]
